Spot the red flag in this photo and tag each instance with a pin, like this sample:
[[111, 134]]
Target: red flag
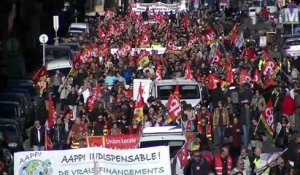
[[233, 34], [51, 112], [125, 49], [216, 57], [171, 48], [91, 99], [208, 35], [269, 81], [174, 108], [212, 82], [270, 68], [268, 118], [160, 19], [143, 41], [188, 73], [256, 77], [191, 42], [111, 30], [48, 143], [177, 93], [158, 72], [248, 53], [131, 14], [101, 34], [183, 155], [108, 14], [184, 22], [40, 79], [139, 106], [103, 50], [229, 77], [244, 77]]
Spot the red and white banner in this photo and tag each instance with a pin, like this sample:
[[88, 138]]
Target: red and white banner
[[268, 118], [114, 141]]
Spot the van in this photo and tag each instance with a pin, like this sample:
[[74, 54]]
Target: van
[[189, 90], [172, 136], [58, 58], [78, 28]]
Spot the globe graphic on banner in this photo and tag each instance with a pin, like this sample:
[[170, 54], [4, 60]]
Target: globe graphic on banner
[[36, 167]]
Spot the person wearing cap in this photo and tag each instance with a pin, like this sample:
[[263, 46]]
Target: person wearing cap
[[197, 165]]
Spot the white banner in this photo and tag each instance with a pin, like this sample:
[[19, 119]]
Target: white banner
[[157, 7], [160, 50], [85, 161]]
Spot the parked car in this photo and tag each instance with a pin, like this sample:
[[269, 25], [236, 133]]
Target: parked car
[[12, 132], [291, 47], [12, 111], [26, 104]]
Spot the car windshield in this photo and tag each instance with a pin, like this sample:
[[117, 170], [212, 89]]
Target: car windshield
[[53, 53], [186, 91], [8, 129]]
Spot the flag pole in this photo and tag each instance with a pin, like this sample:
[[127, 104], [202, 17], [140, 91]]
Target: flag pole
[[257, 125]]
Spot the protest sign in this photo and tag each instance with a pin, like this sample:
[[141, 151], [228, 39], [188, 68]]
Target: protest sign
[[114, 141], [146, 161]]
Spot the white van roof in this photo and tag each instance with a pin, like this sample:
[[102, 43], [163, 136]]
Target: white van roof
[[79, 25], [176, 81], [168, 130], [58, 64]]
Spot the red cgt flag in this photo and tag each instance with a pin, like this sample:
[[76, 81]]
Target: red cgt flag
[[91, 99], [267, 117], [188, 73], [233, 34], [143, 41], [48, 142], [212, 81], [171, 48], [229, 77], [101, 34], [244, 77], [158, 72], [256, 77], [183, 155], [51, 112]]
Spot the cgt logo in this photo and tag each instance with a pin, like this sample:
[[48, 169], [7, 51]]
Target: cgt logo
[[269, 116]]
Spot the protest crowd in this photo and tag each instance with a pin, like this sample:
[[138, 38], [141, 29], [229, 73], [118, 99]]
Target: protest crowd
[[249, 94]]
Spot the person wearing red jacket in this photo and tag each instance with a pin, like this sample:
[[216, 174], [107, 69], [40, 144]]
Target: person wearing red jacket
[[288, 108], [223, 162]]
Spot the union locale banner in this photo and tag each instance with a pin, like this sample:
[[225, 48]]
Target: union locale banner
[[95, 160], [114, 141]]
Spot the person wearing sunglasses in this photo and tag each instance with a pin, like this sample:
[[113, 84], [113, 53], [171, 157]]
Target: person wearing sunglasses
[[240, 168], [197, 165]]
